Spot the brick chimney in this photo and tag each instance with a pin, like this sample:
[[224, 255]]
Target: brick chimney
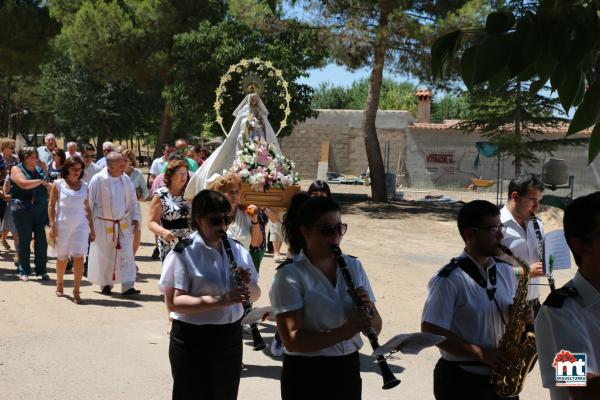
[[424, 105]]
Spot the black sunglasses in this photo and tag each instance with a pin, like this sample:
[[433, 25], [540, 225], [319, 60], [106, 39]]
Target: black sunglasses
[[215, 221], [330, 230]]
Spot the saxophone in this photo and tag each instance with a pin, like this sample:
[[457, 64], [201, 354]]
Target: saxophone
[[517, 342]]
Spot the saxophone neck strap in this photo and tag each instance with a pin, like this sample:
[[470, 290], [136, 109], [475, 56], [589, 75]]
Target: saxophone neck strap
[[469, 267]]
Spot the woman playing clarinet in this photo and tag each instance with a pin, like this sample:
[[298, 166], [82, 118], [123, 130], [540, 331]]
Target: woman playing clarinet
[[318, 324], [206, 278]]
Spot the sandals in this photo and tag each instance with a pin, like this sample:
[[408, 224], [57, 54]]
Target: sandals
[[76, 297], [59, 291]]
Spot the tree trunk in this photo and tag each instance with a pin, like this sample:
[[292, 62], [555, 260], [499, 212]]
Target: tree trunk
[[376, 169], [166, 123], [7, 108], [518, 160]]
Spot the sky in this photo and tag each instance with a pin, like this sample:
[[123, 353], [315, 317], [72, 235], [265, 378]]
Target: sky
[[341, 76]]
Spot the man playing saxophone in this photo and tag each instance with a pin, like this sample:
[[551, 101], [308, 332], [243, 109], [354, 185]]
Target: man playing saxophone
[[468, 302], [569, 320]]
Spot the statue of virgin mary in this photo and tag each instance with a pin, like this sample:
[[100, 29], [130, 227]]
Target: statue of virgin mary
[[251, 121]]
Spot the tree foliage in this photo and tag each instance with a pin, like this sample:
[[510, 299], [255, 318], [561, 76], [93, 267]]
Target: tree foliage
[[394, 96], [25, 31], [81, 106], [548, 42], [293, 51], [514, 121]]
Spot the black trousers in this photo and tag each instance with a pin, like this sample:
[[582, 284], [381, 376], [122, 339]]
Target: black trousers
[[321, 377], [451, 382], [206, 361]]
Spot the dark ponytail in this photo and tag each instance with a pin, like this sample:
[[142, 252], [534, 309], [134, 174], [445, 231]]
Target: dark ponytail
[[304, 211]]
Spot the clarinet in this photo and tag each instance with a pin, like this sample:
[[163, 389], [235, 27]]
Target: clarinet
[[389, 380], [540, 241], [259, 343]]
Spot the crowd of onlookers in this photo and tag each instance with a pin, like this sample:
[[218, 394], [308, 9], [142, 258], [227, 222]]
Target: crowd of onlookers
[[44, 200]]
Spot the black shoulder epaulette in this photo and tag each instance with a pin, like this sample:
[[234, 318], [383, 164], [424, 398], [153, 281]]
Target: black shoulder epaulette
[[286, 262], [445, 272], [558, 297], [183, 243], [350, 255]]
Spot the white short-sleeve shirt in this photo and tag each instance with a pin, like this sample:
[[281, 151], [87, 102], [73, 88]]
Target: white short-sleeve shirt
[[301, 285], [575, 327], [524, 244], [201, 270], [457, 303], [156, 167]]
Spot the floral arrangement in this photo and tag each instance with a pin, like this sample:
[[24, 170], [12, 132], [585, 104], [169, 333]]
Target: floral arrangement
[[258, 165]]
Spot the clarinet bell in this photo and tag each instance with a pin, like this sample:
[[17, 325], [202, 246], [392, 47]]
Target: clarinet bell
[[389, 380]]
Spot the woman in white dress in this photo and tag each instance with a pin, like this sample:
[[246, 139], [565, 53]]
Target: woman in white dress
[[70, 222]]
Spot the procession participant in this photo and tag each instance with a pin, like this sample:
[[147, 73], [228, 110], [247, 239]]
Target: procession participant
[[45, 152], [289, 219], [524, 231], [141, 190], [113, 202], [315, 315], [319, 188], [169, 211], [206, 338], [71, 223], [7, 149], [72, 150], [158, 163], [88, 154], [181, 147], [245, 227], [570, 317], [29, 208], [468, 302], [107, 147], [55, 167]]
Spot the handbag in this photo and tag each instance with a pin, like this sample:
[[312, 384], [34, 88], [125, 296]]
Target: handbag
[[18, 205]]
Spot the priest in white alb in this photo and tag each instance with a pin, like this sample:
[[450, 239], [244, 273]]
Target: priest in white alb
[[113, 201]]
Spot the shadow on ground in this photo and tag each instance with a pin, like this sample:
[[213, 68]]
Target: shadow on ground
[[404, 209]]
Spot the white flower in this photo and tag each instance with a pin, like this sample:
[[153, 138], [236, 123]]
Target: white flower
[[287, 180], [252, 179], [260, 177], [244, 173]]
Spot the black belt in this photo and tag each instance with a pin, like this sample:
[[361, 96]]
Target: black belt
[[181, 223]]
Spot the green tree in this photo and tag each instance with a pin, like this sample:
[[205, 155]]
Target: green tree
[[394, 96], [79, 105], [133, 38], [550, 41], [512, 119], [25, 31], [293, 51], [450, 107]]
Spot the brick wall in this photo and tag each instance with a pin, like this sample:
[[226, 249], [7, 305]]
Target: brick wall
[[343, 128]]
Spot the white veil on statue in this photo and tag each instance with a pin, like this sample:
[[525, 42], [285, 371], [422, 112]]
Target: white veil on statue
[[224, 156]]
